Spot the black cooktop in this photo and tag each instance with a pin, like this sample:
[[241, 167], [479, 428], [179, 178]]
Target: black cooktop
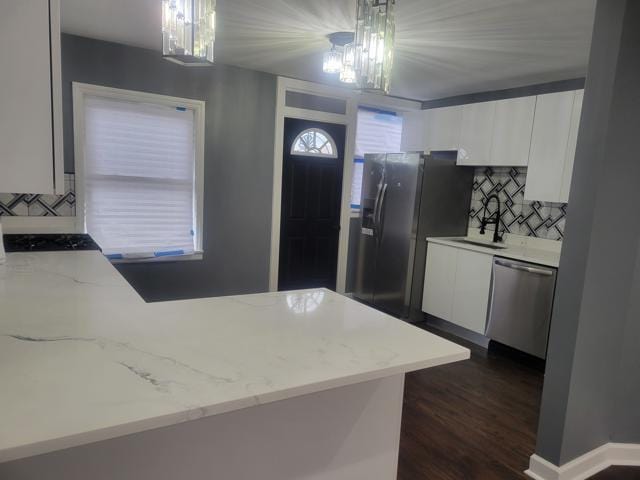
[[48, 242]]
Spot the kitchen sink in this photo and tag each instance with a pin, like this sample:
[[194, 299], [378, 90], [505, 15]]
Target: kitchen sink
[[494, 246]]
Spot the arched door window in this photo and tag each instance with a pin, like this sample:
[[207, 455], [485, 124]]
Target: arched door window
[[314, 142]]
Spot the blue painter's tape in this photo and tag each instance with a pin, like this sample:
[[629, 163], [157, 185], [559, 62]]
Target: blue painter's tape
[[171, 253], [358, 160], [115, 256], [355, 207], [378, 110], [181, 109]]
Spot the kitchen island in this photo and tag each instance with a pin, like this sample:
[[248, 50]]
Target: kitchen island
[[98, 384]]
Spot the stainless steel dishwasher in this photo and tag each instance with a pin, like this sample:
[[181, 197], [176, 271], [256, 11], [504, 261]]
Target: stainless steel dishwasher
[[520, 306]]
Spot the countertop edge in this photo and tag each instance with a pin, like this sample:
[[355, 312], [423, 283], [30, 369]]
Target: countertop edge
[[76, 440], [496, 253]]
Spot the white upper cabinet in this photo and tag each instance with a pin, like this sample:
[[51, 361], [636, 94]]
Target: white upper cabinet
[[413, 131], [550, 146], [512, 127], [476, 133], [442, 128], [567, 173], [31, 158]]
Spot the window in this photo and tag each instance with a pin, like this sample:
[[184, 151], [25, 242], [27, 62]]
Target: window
[[140, 171], [314, 142], [377, 132]]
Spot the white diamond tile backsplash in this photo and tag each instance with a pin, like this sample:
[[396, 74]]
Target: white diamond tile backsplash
[[25, 204], [519, 216]]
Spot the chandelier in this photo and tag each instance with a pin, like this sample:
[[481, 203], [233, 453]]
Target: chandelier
[[366, 57], [374, 44], [340, 58], [188, 31]]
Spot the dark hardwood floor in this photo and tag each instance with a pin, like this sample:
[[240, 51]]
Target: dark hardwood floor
[[475, 419], [618, 473], [470, 420]]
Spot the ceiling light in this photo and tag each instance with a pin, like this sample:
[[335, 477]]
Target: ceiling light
[[374, 44], [188, 31], [332, 62], [340, 58]]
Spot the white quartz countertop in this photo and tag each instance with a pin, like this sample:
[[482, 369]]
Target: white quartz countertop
[[517, 251], [83, 358]]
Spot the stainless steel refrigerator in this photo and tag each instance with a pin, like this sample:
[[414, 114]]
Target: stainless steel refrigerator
[[406, 197]]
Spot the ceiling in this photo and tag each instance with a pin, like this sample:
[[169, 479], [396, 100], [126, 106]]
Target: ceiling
[[443, 47]]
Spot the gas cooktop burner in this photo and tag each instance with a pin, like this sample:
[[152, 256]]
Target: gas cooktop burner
[[48, 242]]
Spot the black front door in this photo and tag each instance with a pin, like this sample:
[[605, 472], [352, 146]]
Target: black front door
[[311, 193]]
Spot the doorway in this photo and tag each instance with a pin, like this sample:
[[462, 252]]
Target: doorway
[[313, 159]]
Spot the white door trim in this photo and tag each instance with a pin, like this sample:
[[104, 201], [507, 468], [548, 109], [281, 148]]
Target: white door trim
[[349, 120], [587, 465], [353, 99]]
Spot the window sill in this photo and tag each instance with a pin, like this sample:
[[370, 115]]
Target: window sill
[[177, 258]]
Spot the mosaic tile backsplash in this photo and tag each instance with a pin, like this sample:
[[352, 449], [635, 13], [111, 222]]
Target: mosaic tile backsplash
[[519, 216], [25, 204]]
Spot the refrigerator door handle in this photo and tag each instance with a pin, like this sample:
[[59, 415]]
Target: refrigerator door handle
[[383, 196], [376, 206]]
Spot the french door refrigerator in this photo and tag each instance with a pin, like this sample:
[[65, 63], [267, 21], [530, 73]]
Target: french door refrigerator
[[406, 197]]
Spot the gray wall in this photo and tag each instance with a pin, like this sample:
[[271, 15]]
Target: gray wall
[[240, 115], [592, 387]]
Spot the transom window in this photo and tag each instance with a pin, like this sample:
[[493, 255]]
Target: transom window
[[314, 142]]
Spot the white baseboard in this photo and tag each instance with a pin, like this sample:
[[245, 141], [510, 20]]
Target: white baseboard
[[586, 465]]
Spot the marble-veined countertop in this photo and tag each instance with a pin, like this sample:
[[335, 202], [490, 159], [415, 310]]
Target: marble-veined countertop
[[523, 251], [83, 358]]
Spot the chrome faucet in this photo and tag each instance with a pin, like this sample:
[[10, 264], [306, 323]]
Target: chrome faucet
[[491, 219]]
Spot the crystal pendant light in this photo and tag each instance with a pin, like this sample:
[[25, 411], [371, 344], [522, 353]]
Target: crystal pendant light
[[374, 44], [332, 61], [348, 73], [188, 31]]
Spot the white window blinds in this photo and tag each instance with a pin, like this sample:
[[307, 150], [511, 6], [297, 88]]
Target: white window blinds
[[377, 132], [139, 177]]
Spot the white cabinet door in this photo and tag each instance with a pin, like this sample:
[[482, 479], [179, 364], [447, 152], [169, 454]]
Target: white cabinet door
[[439, 280], [567, 173], [512, 128], [549, 141], [476, 133], [26, 137], [413, 131], [442, 128], [471, 293]]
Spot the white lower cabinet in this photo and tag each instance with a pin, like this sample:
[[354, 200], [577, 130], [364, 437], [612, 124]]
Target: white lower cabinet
[[471, 292], [439, 280], [456, 286]]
